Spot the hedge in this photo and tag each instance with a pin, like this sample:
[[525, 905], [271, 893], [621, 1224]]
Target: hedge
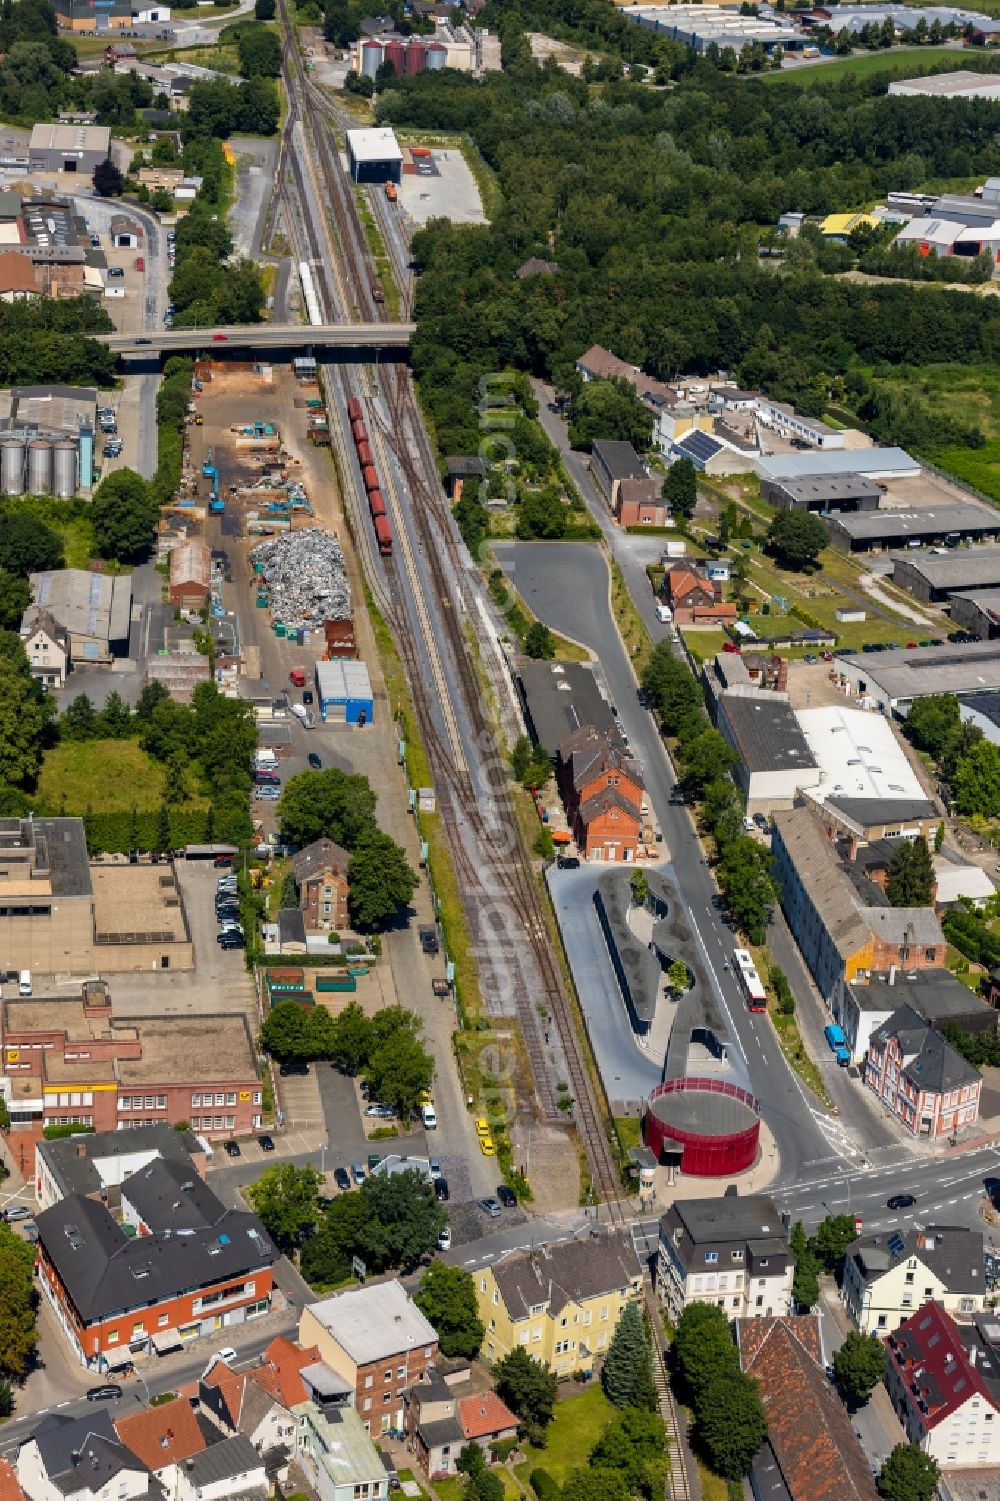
[[543, 1485]]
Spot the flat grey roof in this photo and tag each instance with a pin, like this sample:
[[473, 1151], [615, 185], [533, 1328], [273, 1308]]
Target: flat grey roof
[[373, 1323], [838, 461], [827, 487], [767, 734], [59, 846], [619, 459], [561, 697], [731, 1217], [923, 521], [934, 994], [961, 568], [972, 667], [76, 1173]]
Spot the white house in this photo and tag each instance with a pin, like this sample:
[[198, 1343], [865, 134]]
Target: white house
[[229, 1468], [46, 644], [941, 1377], [889, 1275], [79, 1457]]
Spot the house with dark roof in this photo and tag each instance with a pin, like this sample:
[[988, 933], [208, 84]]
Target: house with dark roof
[[811, 1452], [234, 1402], [97, 1165], [944, 1382], [920, 1078], [46, 643], [535, 266], [440, 1423], [889, 1275], [732, 1252], [202, 1269], [320, 871], [935, 994], [561, 1301], [80, 1457], [561, 697], [231, 1470], [614, 463]]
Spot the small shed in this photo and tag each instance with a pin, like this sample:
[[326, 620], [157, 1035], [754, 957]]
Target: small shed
[[125, 233], [344, 692]]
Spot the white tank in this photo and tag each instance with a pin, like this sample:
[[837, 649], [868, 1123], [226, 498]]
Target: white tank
[[12, 466], [39, 467], [64, 468]]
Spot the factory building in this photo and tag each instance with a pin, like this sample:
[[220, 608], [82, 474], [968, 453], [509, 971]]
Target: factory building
[[344, 693], [948, 522], [977, 611], [824, 494], [933, 577], [93, 609], [93, 15], [960, 85], [374, 156], [463, 48], [894, 680], [68, 148], [699, 26]]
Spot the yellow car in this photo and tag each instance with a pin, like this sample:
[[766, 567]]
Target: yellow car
[[424, 1097], [486, 1146], [482, 1127]]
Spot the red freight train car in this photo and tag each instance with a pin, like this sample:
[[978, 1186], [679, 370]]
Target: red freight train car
[[359, 430], [383, 535], [370, 478], [354, 409], [365, 456], [376, 504]]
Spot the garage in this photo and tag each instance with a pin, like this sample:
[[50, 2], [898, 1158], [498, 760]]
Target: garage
[[344, 693], [374, 155]]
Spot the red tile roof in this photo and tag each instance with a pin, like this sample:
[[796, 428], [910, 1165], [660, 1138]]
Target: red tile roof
[[10, 1486], [809, 1430], [484, 1415], [279, 1371], [928, 1352], [160, 1436]]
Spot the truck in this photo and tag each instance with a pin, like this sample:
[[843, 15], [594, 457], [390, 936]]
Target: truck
[[298, 677], [837, 1043]]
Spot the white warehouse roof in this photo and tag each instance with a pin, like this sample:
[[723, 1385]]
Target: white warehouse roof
[[377, 144], [891, 462], [858, 755], [340, 679], [933, 231]]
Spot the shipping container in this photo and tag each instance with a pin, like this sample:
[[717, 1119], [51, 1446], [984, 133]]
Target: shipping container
[[376, 504], [365, 456], [359, 431]]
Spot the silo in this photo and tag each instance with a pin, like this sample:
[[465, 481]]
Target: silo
[[416, 57], [64, 468], [437, 57], [395, 53], [371, 58], [12, 466], [39, 467]]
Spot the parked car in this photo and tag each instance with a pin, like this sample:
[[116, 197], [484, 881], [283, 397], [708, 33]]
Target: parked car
[[444, 1239], [232, 941], [293, 1070], [380, 1112], [266, 1143], [233, 1149], [107, 1393], [314, 761], [434, 1169], [428, 940], [486, 1146], [16, 1212], [342, 1178], [441, 1192], [507, 1196], [489, 1206], [359, 1172], [568, 862]]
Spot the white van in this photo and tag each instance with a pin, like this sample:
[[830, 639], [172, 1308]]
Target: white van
[[300, 712], [664, 614], [24, 982], [429, 1117]]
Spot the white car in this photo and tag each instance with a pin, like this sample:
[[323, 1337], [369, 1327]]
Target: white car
[[444, 1239]]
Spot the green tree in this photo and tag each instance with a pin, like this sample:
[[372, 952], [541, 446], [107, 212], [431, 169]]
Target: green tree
[[447, 1297], [18, 1303], [707, 757], [529, 1390], [286, 1033], [639, 883], [15, 597], [909, 1475], [628, 1352], [609, 409], [6, 1398], [858, 1367], [381, 881], [353, 1037], [745, 876], [731, 1423], [634, 1446], [286, 1198], [329, 804], [24, 717], [483, 1486], [911, 874], [264, 10], [595, 1485], [108, 181], [520, 757], [833, 1238], [406, 1207], [398, 1071], [27, 545], [259, 51], [805, 1281], [703, 1348], [79, 721], [797, 538], [672, 689], [933, 722], [538, 642], [680, 488], [115, 719], [977, 781], [123, 513]]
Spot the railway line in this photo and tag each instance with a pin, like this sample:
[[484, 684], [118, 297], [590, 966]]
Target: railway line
[[518, 970]]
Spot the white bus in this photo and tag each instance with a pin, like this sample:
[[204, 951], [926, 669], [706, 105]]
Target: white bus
[[749, 979]]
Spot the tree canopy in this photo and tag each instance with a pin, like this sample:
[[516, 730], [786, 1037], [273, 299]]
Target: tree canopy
[[858, 1367], [797, 538], [529, 1389], [124, 513], [447, 1297], [911, 874]]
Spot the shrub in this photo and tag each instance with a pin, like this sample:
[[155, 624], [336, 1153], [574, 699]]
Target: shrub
[[543, 1485]]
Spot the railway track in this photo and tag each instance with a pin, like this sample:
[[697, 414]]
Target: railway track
[[492, 866]]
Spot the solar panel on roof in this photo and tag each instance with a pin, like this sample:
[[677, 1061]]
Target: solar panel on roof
[[701, 445]]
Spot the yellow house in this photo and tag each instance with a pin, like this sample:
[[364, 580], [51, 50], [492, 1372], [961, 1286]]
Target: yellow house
[[560, 1302], [887, 1277]]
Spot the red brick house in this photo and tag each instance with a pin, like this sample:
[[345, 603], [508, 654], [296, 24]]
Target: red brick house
[[609, 826], [695, 599], [640, 503], [603, 793], [114, 1295], [321, 876], [920, 1078], [440, 1423]]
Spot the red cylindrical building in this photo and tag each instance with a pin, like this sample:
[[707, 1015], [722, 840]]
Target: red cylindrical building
[[715, 1124]]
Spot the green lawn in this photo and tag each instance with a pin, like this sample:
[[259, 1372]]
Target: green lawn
[[451, 1490], [573, 1432], [899, 60], [110, 775]]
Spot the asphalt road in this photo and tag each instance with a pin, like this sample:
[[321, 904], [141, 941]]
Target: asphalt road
[[566, 585]]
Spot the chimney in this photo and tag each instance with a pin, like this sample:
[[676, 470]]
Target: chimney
[[892, 974], [81, 1150]]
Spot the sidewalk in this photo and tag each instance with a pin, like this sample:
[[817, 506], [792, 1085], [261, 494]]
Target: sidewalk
[[876, 1424]]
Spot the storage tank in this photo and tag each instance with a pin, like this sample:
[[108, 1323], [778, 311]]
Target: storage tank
[[371, 58], [395, 53], [12, 466], [39, 467], [435, 57], [416, 57], [64, 468]]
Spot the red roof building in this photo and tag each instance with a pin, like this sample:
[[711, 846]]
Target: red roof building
[[485, 1419], [694, 598], [162, 1436], [944, 1381]]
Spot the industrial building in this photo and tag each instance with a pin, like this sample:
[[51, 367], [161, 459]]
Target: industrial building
[[825, 494], [699, 26], [977, 611], [93, 15], [373, 155], [190, 575], [775, 759], [68, 148], [875, 463], [933, 577], [960, 85], [858, 756], [892, 681], [47, 440], [94, 609], [947, 521], [560, 698], [344, 692], [464, 48]]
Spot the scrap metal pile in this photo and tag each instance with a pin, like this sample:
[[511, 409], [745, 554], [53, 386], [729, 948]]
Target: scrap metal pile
[[306, 578]]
